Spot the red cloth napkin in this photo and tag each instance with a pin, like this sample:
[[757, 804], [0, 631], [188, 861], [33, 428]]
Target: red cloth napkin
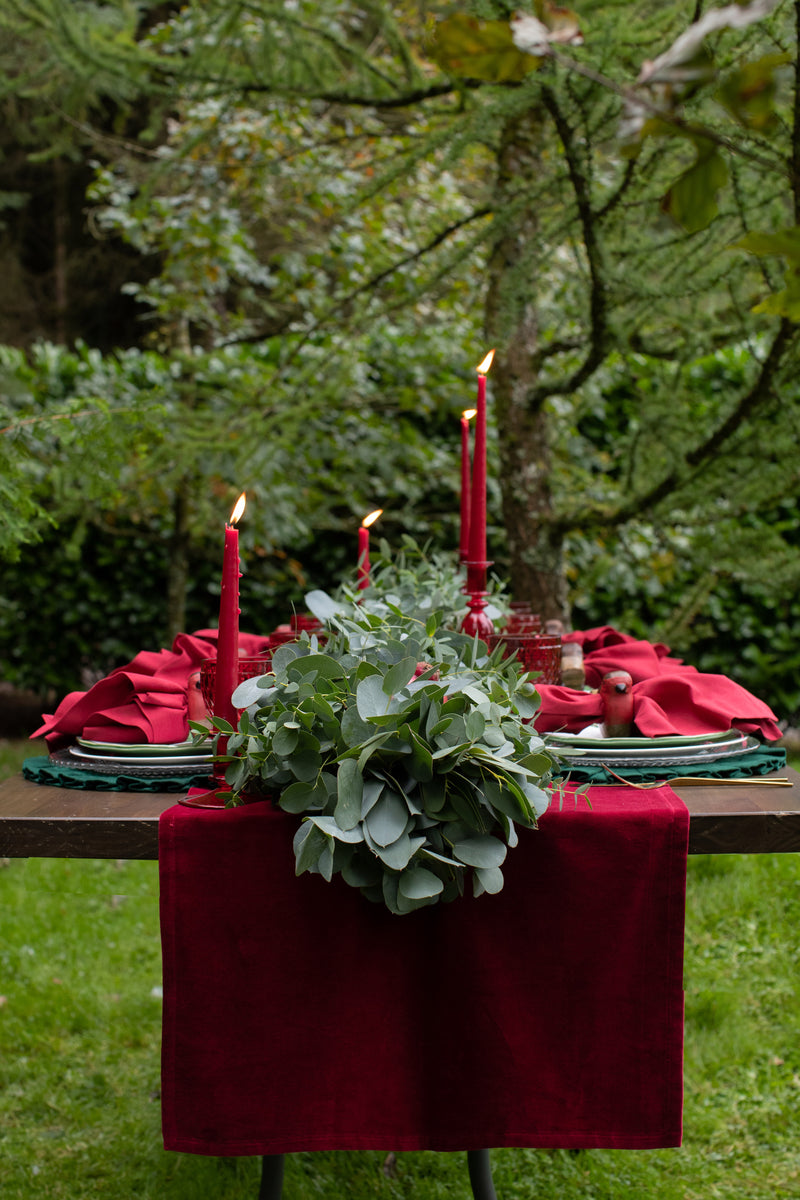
[[686, 702], [669, 697], [299, 1016], [144, 701]]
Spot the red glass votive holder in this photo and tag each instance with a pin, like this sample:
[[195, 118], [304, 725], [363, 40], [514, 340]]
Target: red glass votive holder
[[249, 668], [301, 621], [522, 619], [538, 653]]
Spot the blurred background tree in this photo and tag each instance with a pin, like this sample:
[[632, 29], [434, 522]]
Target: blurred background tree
[[324, 214]]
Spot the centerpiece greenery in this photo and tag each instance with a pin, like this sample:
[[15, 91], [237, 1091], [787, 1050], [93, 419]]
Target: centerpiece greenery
[[404, 747]]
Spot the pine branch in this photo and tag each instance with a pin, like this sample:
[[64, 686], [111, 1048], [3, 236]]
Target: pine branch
[[375, 281], [692, 131], [700, 455]]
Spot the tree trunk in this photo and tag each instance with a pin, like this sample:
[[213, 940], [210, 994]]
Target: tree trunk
[[535, 547]]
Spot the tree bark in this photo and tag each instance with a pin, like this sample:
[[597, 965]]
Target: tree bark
[[535, 545]]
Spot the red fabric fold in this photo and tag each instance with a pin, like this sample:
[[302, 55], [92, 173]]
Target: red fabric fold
[[298, 1016], [144, 701], [683, 702]]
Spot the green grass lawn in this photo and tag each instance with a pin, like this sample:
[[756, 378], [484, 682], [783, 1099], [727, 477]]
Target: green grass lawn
[[80, 1031]]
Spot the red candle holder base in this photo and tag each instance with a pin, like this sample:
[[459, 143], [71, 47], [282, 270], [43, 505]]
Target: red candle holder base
[[476, 621]]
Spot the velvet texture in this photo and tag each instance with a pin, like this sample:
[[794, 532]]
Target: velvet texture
[[299, 1016]]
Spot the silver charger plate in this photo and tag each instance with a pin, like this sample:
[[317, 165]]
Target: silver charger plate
[[130, 767], [595, 759]]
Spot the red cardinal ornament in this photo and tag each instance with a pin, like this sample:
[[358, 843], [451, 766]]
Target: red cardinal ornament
[[616, 697]]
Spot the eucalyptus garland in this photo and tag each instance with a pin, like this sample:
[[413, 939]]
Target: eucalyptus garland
[[405, 750]]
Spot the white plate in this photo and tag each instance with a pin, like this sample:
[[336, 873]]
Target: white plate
[[633, 743], [180, 760]]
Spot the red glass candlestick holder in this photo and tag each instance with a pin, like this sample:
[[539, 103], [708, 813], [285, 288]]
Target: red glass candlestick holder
[[247, 668], [476, 621]]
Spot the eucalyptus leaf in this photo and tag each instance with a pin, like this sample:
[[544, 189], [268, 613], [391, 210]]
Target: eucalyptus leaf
[[387, 819], [371, 699], [399, 854], [421, 764], [318, 664], [480, 851], [491, 878], [325, 863], [329, 826], [299, 797], [418, 884], [371, 793], [284, 655], [399, 675], [253, 691], [353, 728], [323, 606], [309, 842], [285, 740], [350, 789], [362, 872]]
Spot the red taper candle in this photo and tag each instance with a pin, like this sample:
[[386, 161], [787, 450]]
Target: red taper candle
[[477, 521], [363, 548], [227, 670], [466, 417]]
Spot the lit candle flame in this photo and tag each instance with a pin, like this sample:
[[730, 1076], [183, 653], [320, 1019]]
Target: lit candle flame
[[469, 413], [371, 518], [238, 509], [483, 369]]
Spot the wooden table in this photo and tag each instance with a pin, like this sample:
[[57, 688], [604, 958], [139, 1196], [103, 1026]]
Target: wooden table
[[50, 822]]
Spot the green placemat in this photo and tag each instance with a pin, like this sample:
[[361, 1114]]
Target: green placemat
[[42, 770], [757, 762]]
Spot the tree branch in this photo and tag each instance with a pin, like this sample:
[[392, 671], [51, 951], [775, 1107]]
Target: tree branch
[[598, 297], [376, 280], [696, 458]]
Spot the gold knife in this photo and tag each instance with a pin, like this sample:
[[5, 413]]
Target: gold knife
[[754, 780]]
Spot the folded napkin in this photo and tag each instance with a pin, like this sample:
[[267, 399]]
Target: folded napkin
[[298, 1016], [144, 701], [669, 697], [685, 702], [602, 636]]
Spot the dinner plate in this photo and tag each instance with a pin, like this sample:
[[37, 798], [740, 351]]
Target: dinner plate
[[146, 749], [142, 760], [129, 767], [671, 739], [645, 748], [704, 755]]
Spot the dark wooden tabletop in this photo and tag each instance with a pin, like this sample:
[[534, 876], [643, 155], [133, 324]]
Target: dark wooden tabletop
[[50, 822]]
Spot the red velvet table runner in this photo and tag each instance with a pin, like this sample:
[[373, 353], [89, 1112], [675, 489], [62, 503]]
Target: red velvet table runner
[[299, 1016]]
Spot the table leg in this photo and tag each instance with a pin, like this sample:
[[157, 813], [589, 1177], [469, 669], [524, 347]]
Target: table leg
[[271, 1177], [480, 1175]]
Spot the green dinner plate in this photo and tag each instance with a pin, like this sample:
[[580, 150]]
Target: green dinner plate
[[147, 749]]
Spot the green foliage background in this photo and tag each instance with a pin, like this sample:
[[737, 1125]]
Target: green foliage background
[[322, 212]]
